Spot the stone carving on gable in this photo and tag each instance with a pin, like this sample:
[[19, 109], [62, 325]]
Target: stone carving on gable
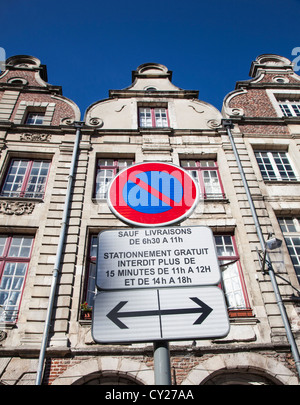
[[96, 122], [214, 123], [67, 121], [199, 112]]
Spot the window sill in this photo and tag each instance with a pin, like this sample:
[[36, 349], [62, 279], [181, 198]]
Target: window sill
[[217, 199], [240, 313], [27, 199], [283, 182], [152, 130], [85, 322], [7, 325]]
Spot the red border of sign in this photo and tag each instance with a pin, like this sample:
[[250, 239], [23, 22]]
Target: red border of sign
[[179, 210]]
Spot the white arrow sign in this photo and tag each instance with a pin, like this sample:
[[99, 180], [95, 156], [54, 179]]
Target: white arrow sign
[[151, 315], [156, 258]]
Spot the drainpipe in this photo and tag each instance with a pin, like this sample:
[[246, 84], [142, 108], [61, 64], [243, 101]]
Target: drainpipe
[[227, 124], [57, 264]]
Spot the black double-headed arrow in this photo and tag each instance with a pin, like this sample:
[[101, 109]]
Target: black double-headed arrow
[[114, 315]]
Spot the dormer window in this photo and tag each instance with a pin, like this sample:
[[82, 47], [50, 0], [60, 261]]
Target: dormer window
[[290, 108], [151, 89], [285, 102], [35, 118], [153, 117], [275, 166]]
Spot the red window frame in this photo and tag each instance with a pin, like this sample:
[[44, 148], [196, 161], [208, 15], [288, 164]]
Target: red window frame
[[11, 315], [153, 117], [246, 311], [25, 181], [90, 276], [199, 169], [115, 167]]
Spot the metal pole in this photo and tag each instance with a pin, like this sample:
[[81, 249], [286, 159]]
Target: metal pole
[[227, 124], [162, 366], [58, 257]]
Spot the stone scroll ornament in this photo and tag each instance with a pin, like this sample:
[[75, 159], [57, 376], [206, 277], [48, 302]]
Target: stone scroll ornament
[[35, 137], [16, 207]]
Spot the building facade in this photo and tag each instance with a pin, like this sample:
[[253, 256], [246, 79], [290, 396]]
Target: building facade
[[48, 156]]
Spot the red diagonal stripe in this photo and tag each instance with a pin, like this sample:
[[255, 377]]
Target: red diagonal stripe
[[153, 191]]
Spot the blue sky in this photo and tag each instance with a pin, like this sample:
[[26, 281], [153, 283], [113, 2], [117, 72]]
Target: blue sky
[[90, 47]]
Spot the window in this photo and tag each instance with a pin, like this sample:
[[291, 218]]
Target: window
[[15, 254], [232, 278], [35, 118], [290, 228], [206, 173], [106, 170], [285, 102], [26, 178], [90, 289], [290, 108], [150, 117], [151, 89], [275, 166]]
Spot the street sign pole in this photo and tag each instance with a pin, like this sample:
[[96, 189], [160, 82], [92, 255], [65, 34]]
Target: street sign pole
[[162, 363]]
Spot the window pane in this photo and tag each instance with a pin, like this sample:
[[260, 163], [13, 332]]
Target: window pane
[[10, 289], [35, 118], [232, 287], [287, 224], [153, 117], [289, 227], [106, 162], [290, 108], [105, 176], [20, 247], [224, 246], [265, 166], [18, 184], [14, 180], [91, 287], [122, 163], [3, 240], [37, 180], [275, 166], [145, 117], [211, 184], [231, 279], [208, 180], [296, 108], [293, 245], [91, 272], [161, 120], [94, 244], [103, 179], [188, 163], [207, 163]]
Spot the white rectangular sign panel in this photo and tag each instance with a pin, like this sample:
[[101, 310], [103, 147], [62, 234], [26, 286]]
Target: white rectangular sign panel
[[156, 258], [167, 314]]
